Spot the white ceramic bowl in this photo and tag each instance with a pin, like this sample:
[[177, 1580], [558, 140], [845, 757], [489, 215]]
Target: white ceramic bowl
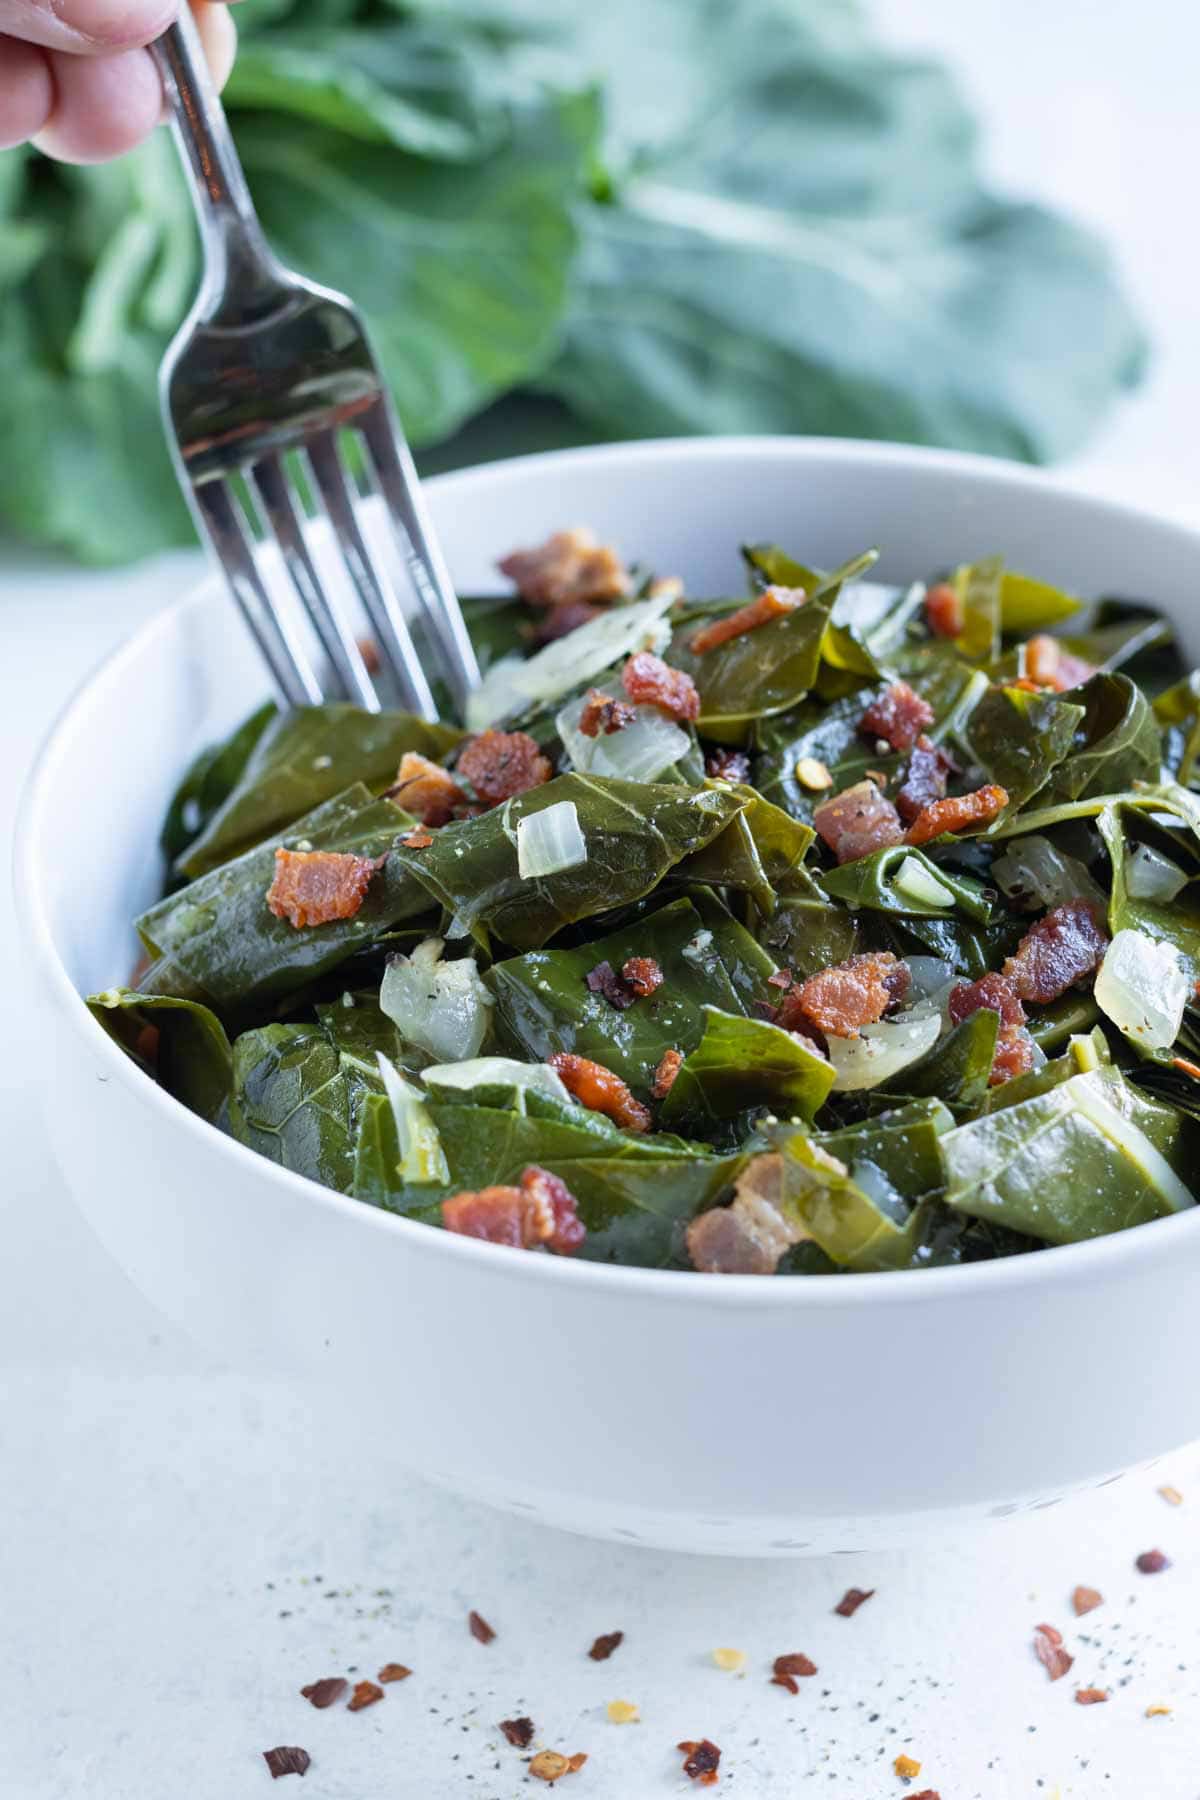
[[690, 1411]]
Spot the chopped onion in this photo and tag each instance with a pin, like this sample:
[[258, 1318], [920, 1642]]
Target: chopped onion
[[1035, 870], [1143, 987], [1149, 875], [550, 841], [442, 1007], [641, 751], [422, 1158], [930, 977], [881, 1051], [514, 684], [915, 882], [496, 1071]]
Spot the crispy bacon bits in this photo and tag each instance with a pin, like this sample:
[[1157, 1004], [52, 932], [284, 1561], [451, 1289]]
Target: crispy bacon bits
[[721, 765], [426, 790], [1014, 1046], [664, 1075], [519, 1732], [603, 979], [838, 1001], [539, 1213], [786, 1668], [500, 764], [323, 1693], [643, 975], [598, 1088], [287, 1759], [773, 603], [945, 614], [1048, 1645], [1152, 1562], [569, 567], [605, 1644], [551, 1765], [1057, 953], [701, 1761], [315, 887], [749, 1236], [957, 814], [393, 1672], [1086, 1600], [906, 1767], [557, 621], [479, 1628], [649, 681], [1047, 664], [858, 820], [623, 1712], [366, 1693], [1090, 1696], [601, 713], [851, 1600], [929, 769], [897, 716]]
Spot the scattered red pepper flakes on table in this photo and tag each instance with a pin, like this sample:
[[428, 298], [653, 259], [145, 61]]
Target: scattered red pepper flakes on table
[[701, 1760], [287, 1759], [927, 1794], [1048, 1643], [605, 1644], [1171, 1495], [549, 1765], [906, 1767], [323, 1693], [787, 1667], [1086, 1600], [479, 1628], [1158, 1712], [366, 1693], [1090, 1696], [519, 1732], [1152, 1562], [394, 1672], [851, 1600]]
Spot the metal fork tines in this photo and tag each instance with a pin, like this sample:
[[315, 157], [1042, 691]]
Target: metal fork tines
[[280, 421]]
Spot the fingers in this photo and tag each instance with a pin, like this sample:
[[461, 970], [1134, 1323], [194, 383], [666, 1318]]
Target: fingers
[[87, 27], [218, 34], [26, 91]]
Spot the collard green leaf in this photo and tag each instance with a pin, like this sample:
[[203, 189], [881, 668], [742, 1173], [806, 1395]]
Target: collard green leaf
[[1019, 739], [295, 1102], [1178, 714], [956, 1070], [759, 673], [810, 933], [1116, 743], [742, 1063], [303, 758], [760, 852], [877, 882], [208, 783], [1175, 922], [189, 1054], [635, 833], [1027, 605], [979, 586]]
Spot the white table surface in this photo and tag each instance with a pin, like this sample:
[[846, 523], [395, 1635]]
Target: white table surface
[[182, 1545]]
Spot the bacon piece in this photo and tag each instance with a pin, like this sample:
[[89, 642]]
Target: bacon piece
[[519, 1732], [727, 765], [601, 713], [1048, 665], [366, 1693], [603, 979], [605, 1644], [851, 1600], [1014, 1046], [1057, 953], [957, 814], [569, 566], [558, 621], [539, 1212], [314, 887], [1048, 1644], [858, 820], [649, 681], [945, 614], [664, 1075], [643, 975], [929, 768], [499, 764], [897, 716], [749, 1236], [773, 603], [702, 1759], [1086, 1600], [839, 1001], [425, 789], [598, 1088]]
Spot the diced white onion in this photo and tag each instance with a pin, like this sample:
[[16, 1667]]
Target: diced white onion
[[930, 977], [421, 1155], [1149, 875], [442, 1007], [1034, 869], [641, 751], [1142, 986], [914, 881], [496, 1071], [514, 683], [881, 1051], [550, 841]]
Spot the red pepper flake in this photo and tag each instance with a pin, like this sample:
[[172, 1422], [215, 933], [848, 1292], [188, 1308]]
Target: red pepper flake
[[501, 764], [1153, 1562], [1086, 1600], [550, 1765], [366, 1693], [417, 840], [598, 1088], [787, 1667], [773, 603], [1090, 1696], [601, 713], [702, 1759], [315, 887], [479, 1628], [368, 649], [642, 974], [926, 1794], [605, 1644], [720, 765], [906, 1767], [851, 1600], [287, 1759], [519, 1732], [1048, 1643], [957, 814], [394, 1672], [649, 681], [667, 1070], [946, 617], [323, 1693]]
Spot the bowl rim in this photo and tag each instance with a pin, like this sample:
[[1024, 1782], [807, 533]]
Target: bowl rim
[[1124, 1252]]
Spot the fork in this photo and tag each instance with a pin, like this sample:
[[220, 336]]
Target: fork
[[270, 371]]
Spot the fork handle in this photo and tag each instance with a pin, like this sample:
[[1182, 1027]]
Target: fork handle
[[236, 254]]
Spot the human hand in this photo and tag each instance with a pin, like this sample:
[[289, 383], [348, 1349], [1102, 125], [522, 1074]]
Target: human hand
[[75, 78]]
